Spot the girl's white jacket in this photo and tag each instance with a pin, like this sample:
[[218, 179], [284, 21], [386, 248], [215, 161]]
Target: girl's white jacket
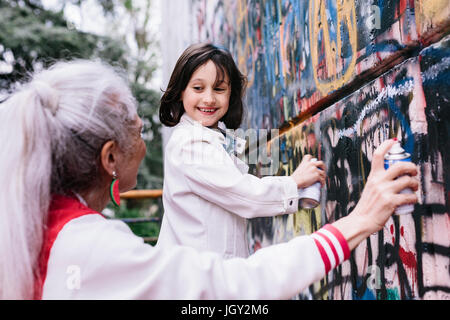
[[208, 194]]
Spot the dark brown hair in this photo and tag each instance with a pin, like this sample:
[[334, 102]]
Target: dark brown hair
[[171, 108]]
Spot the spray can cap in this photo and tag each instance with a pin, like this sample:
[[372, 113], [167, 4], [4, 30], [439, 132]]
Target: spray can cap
[[396, 152]]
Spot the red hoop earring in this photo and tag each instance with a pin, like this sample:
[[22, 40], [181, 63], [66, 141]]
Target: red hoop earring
[[114, 190]]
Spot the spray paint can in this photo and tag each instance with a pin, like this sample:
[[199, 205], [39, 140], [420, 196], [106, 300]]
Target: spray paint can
[[396, 154], [309, 197]]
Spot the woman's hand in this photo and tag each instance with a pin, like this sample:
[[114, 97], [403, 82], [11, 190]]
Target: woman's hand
[[380, 197], [309, 172]]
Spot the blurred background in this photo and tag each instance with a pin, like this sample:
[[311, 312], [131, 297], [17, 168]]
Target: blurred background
[[35, 33]]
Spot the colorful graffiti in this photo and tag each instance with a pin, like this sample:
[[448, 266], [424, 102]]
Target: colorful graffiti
[[346, 75], [297, 52], [412, 253], [321, 36]]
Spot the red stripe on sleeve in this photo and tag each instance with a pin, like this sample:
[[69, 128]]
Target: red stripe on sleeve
[[333, 249], [324, 256], [340, 238]]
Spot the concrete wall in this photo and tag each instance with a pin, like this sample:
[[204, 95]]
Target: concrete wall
[[338, 77]]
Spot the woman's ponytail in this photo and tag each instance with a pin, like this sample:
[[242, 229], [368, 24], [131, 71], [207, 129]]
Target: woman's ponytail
[[25, 169]]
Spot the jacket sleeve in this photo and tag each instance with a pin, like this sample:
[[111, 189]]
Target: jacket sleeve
[[115, 264], [211, 174]]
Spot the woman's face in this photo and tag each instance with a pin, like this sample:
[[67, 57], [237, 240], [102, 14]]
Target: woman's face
[[204, 100], [130, 162]]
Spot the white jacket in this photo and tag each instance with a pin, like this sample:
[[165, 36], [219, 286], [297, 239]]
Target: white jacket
[[96, 258], [208, 194]]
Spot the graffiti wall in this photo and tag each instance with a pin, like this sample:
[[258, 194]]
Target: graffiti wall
[[338, 77], [410, 257], [299, 55]]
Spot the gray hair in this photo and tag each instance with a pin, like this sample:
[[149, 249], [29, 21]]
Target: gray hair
[[51, 134]]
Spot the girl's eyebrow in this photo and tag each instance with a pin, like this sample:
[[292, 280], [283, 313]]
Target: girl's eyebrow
[[223, 81], [197, 79], [202, 80]]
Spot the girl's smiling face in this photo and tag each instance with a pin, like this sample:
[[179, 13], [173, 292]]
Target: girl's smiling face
[[207, 95]]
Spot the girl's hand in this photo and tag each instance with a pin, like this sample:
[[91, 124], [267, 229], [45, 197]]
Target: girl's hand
[[380, 197], [309, 172]]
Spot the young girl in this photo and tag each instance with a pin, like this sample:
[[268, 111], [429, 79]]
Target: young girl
[[208, 194]]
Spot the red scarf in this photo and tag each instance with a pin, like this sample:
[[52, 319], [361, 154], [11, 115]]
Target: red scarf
[[62, 210]]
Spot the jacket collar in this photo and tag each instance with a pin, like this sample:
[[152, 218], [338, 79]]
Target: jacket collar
[[227, 138], [185, 118]]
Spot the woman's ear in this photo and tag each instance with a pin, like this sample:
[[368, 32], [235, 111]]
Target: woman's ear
[[109, 156]]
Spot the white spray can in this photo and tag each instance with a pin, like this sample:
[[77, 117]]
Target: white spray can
[[309, 197]]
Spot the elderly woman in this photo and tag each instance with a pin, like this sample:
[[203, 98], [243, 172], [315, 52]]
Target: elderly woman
[[71, 135]]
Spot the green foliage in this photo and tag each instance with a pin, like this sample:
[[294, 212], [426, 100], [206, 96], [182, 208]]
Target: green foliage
[[151, 170], [37, 37], [141, 229], [32, 37]]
